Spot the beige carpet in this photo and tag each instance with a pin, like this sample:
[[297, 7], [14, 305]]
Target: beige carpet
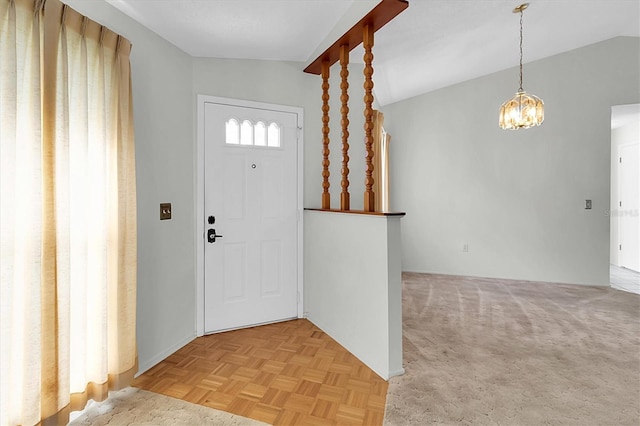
[[132, 406], [481, 351]]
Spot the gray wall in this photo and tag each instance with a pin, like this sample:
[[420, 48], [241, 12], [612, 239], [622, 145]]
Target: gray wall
[[515, 197]]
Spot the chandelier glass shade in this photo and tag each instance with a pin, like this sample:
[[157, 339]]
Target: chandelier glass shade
[[523, 110]]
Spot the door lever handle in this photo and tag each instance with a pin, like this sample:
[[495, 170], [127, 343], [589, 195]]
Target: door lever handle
[[211, 235]]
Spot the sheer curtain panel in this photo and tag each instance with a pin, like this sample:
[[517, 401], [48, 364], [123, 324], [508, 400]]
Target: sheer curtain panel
[[381, 141], [67, 212]]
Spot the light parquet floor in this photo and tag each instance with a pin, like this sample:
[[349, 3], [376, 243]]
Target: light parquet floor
[[289, 373]]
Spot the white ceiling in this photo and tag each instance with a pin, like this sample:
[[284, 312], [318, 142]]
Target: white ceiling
[[432, 44]]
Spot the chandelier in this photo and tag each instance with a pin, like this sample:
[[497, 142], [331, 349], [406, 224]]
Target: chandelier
[[523, 110]]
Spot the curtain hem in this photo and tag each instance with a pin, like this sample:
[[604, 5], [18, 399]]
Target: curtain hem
[[95, 391]]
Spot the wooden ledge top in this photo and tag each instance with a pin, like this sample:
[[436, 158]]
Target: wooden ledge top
[[378, 17], [362, 212]]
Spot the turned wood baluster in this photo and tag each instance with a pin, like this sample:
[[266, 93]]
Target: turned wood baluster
[[367, 43], [326, 196], [344, 97]]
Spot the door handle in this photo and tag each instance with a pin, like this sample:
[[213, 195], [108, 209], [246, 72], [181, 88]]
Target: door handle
[[211, 235]]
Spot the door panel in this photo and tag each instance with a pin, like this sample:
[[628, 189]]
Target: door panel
[[251, 190], [270, 268], [235, 264], [234, 186], [271, 189]]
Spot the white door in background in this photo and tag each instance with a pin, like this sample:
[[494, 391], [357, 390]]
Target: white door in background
[[250, 209], [629, 205]]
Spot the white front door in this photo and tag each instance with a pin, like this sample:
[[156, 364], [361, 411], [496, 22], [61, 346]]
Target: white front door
[[251, 216]]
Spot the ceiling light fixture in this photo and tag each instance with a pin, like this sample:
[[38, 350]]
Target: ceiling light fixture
[[523, 110]]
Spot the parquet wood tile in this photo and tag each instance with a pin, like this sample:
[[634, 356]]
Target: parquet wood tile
[[289, 373]]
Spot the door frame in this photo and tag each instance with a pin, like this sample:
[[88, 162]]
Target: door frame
[[202, 100]]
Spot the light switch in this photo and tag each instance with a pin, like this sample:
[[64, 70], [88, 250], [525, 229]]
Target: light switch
[[165, 211], [587, 204]]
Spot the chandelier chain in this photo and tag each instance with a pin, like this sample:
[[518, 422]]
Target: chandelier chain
[[523, 110], [520, 89]]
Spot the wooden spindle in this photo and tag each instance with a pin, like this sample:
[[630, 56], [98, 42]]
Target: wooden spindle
[[326, 196], [367, 43], [344, 97]]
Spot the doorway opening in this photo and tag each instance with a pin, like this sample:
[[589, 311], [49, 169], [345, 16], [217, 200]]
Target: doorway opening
[[625, 194]]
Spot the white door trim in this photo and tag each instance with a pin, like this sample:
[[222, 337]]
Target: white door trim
[[200, 214], [625, 208]]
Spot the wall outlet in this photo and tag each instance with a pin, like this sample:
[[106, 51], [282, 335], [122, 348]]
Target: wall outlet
[[587, 204], [465, 248], [165, 211]]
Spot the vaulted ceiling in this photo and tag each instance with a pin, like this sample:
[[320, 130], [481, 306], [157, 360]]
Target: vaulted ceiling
[[432, 44]]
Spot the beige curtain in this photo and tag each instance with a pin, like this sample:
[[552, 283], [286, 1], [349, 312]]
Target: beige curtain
[[381, 140], [67, 212]]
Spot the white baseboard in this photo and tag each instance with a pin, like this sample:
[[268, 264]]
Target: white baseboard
[[629, 288], [146, 365], [395, 373]]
